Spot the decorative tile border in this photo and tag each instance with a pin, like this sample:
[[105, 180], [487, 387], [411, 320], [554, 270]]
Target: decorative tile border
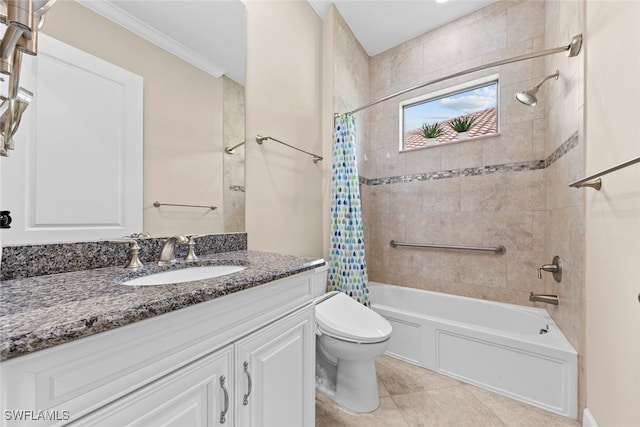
[[38, 260], [564, 148]]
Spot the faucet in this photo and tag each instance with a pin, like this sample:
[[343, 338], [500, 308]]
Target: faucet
[[555, 267], [168, 253], [549, 299]]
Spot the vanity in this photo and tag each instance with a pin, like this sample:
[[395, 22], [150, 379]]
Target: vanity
[[81, 348]]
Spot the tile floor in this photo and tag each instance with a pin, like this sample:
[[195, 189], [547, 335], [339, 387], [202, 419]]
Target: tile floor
[[412, 396]]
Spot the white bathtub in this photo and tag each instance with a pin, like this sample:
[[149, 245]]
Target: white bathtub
[[493, 345]]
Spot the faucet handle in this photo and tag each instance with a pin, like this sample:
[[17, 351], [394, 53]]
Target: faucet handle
[[191, 254], [555, 267], [134, 262], [140, 235]]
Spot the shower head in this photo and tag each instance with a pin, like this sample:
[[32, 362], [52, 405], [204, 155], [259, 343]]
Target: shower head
[[529, 97]]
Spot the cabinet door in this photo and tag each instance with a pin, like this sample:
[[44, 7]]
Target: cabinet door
[[199, 394], [275, 374], [76, 172]]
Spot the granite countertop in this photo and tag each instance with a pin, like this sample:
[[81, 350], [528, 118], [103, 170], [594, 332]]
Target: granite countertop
[[44, 311]]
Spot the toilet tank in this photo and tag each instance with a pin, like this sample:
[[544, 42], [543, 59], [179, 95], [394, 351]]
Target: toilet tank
[[320, 280]]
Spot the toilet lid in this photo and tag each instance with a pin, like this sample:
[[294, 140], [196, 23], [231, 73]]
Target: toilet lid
[[343, 317]]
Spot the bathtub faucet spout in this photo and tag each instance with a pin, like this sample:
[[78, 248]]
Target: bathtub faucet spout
[[549, 299]]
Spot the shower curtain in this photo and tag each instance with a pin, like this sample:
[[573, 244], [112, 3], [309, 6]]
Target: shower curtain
[[347, 267]]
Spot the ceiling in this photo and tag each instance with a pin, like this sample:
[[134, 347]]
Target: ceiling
[[380, 25], [210, 34]]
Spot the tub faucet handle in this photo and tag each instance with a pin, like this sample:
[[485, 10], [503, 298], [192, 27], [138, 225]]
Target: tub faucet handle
[[555, 267]]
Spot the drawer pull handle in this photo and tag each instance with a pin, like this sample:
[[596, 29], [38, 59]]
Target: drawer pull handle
[[245, 402], [223, 414]]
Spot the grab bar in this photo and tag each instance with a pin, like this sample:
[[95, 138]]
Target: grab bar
[[594, 180], [158, 204], [498, 250], [261, 139]]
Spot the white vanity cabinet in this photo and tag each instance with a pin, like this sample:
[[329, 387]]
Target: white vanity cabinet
[[274, 368], [184, 368], [195, 395]]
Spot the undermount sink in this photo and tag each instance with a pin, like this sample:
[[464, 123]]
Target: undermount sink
[[184, 275]]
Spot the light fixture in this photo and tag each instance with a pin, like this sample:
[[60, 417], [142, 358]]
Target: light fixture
[[24, 18]]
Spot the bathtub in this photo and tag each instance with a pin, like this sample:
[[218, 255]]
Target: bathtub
[[509, 349]]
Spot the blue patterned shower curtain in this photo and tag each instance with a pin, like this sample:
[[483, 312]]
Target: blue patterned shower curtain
[[347, 267]]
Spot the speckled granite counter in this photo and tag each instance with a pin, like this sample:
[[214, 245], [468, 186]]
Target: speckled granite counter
[[43, 311]]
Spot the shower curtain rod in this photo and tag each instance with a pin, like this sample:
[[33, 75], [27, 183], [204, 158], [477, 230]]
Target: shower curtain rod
[[573, 48]]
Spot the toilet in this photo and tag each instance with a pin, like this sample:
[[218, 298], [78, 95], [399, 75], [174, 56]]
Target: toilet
[[349, 337]]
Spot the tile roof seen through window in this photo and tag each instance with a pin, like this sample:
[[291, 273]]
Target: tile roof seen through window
[[485, 124]]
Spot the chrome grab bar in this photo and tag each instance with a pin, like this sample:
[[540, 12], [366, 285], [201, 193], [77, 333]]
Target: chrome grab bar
[[260, 139], [498, 250], [594, 180], [158, 204]]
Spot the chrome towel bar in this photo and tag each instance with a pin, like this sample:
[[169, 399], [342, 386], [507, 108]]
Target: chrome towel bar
[[158, 204], [260, 139], [498, 250], [594, 180], [229, 150]]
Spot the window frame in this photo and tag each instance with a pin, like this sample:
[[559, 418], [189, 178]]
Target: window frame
[[443, 93]]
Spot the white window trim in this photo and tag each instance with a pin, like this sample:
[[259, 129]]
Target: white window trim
[[449, 90]]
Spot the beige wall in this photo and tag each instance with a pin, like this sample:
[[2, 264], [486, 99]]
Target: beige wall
[[284, 100], [612, 216], [182, 120]]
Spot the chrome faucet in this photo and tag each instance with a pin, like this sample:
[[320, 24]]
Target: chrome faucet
[[549, 299], [168, 253], [555, 267]]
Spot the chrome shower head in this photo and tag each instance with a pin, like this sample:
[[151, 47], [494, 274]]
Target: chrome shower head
[[528, 97]]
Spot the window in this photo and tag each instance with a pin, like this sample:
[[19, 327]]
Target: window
[[462, 112]]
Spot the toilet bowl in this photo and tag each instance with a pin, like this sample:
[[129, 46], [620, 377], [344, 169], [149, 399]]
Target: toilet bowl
[[349, 337]]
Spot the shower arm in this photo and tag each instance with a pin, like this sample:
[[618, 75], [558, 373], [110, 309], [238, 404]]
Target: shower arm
[[573, 49], [550, 76]]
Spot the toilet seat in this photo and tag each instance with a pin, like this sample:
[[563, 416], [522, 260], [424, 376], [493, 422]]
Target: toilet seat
[[341, 317]]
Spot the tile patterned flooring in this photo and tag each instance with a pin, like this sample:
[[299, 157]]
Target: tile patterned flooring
[[412, 396]]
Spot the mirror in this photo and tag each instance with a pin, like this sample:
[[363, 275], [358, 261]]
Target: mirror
[[192, 66]]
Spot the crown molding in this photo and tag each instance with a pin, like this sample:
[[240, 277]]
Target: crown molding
[[321, 7], [136, 26]]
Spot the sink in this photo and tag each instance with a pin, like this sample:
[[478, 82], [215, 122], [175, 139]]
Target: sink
[[184, 275]]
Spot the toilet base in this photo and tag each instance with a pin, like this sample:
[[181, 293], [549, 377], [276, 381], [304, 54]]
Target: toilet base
[[357, 385], [352, 385]]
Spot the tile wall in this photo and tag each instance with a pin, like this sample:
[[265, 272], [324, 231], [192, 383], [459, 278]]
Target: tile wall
[[233, 134], [565, 228], [501, 206]]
